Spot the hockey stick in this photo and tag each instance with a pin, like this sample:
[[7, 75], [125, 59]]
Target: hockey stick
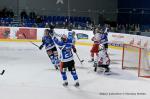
[[34, 44], [81, 61], [30, 41], [2, 72], [59, 35]]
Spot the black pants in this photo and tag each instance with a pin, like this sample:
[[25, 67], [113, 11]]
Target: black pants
[[69, 65]]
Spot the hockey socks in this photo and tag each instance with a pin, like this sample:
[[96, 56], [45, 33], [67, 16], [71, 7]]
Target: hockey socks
[[55, 61], [75, 77], [52, 58], [64, 76], [74, 74]]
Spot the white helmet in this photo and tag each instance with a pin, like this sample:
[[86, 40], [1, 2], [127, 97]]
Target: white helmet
[[101, 47]]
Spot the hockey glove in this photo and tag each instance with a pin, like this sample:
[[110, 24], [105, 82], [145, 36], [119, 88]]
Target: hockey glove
[[41, 47], [74, 50]]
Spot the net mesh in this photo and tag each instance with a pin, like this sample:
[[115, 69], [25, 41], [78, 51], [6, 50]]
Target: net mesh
[[144, 68], [136, 58]]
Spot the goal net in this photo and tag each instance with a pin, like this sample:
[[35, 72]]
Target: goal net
[[137, 58]]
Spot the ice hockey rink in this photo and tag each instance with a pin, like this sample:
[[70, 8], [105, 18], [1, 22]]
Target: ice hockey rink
[[30, 75]]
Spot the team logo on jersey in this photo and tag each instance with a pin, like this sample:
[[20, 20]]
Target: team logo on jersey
[[82, 36], [60, 2]]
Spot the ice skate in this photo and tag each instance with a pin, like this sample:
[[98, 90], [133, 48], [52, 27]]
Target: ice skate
[[65, 84], [77, 84], [95, 69], [107, 71], [57, 67]]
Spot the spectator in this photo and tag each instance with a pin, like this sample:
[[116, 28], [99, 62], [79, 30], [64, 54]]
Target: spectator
[[46, 25], [32, 15], [23, 15], [38, 19], [11, 13]]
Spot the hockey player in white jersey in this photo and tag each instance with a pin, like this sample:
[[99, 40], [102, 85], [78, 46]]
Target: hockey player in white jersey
[[67, 60], [103, 60]]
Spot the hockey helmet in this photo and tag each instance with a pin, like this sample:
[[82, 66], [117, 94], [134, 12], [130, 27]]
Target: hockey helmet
[[51, 32], [46, 32], [73, 33], [101, 47], [51, 27], [64, 37], [69, 27]]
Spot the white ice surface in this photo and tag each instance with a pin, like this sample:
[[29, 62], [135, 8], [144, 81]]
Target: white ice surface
[[30, 75]]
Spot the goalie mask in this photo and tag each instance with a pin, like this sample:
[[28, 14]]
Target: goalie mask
[[101, 47]]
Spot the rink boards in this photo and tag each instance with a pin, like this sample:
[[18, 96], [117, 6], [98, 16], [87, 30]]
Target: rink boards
[[83, 37]]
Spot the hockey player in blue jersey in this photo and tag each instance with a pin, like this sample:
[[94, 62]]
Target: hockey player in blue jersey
[[67, 62], [104, 38], [50, 47]]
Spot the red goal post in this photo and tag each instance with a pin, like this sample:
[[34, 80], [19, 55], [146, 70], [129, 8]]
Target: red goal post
[[137, 58]]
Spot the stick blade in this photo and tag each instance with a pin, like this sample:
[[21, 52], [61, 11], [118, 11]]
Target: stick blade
[[82, 60], [3, 72]]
